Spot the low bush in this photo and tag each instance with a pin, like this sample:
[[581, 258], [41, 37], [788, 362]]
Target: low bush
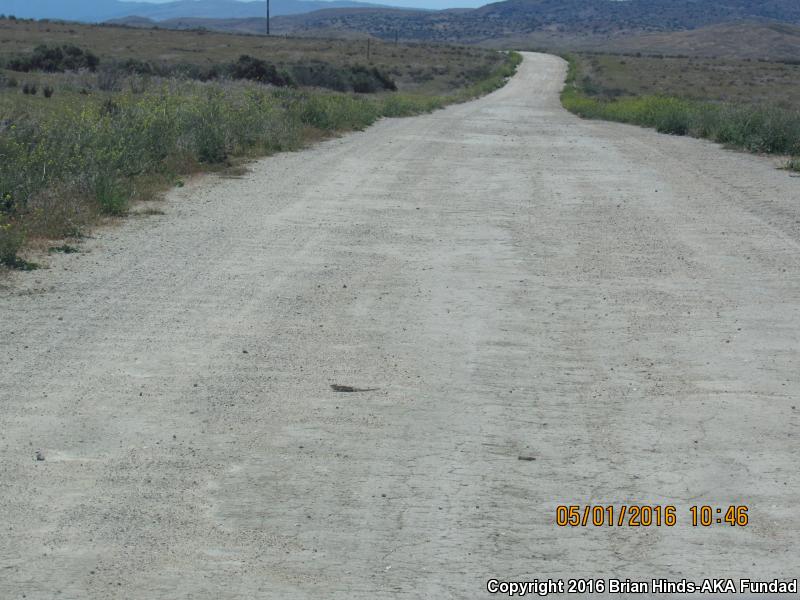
[[364, 80], [134, 66], [361, 79], [54, 59], [323, 75], [11, 240], [255, 69], [109, 80]]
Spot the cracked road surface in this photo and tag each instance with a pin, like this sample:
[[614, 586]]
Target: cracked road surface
[[551, 311]]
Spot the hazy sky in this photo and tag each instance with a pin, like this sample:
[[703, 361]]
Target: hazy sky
[[437, 4]]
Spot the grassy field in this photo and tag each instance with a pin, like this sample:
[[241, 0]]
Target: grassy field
[[716, 80], [423, 68], [76, 146], [751, 105], [732, 41]]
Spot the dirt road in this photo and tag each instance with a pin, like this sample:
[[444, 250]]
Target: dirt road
[[552, 311]]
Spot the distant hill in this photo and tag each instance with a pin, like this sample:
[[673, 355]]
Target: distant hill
[[254, 25], [520, 23], [777, 41], [105, 10], [514, 18], [734, 40]]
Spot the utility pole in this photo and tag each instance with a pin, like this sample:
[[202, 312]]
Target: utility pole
[[267, 17], [368, 40]]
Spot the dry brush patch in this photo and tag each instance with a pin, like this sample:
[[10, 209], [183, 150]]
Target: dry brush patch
[[417, 67]]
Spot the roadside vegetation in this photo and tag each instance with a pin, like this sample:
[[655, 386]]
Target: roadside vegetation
[[81, 145], [670, 100], [418, 68]]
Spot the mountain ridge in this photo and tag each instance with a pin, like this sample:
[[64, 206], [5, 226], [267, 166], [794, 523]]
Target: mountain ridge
[[106, 10], [518, 21], [517, 17]]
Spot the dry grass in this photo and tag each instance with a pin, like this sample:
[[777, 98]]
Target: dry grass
[[717, 80], [733, 41]]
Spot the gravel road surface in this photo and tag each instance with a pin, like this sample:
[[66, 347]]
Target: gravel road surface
[[544, 310]]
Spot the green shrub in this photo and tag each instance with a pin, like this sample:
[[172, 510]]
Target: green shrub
[[364, 80], [255, 69], [110, 194], [192, 71], [322, 75], [319, 74], [54, 59], [134, 66], [12, 237]]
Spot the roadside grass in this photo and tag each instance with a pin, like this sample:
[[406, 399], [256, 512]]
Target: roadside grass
[[72, 159], [756, 128]]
